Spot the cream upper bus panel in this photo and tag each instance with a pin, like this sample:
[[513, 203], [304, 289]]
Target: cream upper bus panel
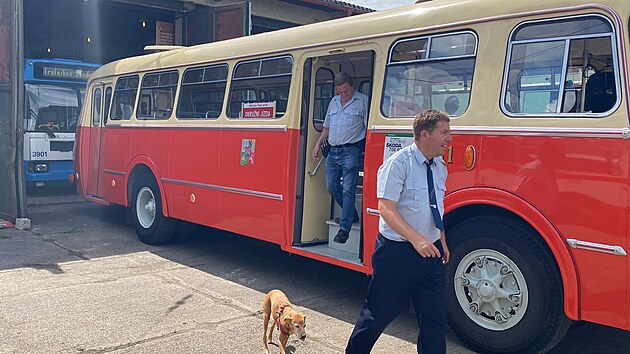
[[484, 109], [431, 69], [432, 15], [583, 54]]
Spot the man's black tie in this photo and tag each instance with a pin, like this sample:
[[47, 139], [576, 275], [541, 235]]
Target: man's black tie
[[432, 200]]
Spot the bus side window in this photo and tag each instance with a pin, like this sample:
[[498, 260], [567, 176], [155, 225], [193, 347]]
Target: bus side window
[[427, 72], [541, 82], [366, 88], [202, 92], [124, 97], [260, 81], [324, 92], [108, 100], [157, 95], [96, 108]]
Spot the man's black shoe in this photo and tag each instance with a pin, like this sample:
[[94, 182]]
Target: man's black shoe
[[355, 220], [341, 237]]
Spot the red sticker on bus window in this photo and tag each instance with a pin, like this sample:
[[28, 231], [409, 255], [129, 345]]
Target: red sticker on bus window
[[259, 110]]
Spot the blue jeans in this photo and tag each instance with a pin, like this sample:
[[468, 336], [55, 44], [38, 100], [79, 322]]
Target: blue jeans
[[342, 171], [402, 275]]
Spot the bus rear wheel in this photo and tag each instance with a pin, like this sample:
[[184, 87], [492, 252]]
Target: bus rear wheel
[[504, 291], [151, 226]]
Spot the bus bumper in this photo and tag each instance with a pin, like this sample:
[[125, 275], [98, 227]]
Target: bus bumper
[[40, 173]]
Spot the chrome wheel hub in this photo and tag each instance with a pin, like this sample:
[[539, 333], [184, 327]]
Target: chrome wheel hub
[[491, 289], [145, 207]]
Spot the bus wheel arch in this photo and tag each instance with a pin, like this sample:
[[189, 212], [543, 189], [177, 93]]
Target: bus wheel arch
[[139, 166], [465, 204], [147, 206], [504, 312]]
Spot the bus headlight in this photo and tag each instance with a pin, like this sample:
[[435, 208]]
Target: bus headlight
[[37, 167]]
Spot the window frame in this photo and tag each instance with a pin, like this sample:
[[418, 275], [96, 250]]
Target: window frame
[[613, 35], [97, 106], [158, 86], [429, 38], [428, 59], [109, 96], [204, 68], [113, 119], [233, 80], [319, 127]]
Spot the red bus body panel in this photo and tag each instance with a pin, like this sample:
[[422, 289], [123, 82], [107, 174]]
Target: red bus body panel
[[194, 167], [577, 189], [565, 187]]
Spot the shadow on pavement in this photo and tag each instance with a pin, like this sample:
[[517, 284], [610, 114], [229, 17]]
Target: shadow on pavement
[[83, 231]]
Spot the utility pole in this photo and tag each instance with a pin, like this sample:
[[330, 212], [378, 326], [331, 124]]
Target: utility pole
[[12, 190]]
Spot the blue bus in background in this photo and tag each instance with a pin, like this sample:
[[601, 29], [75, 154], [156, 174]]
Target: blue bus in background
[[54, 93]]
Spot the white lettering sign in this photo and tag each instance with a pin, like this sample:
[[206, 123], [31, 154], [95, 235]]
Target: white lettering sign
[[395, 142]]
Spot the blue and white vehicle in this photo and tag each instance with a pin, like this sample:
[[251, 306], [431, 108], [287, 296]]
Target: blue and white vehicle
[[53, 95]]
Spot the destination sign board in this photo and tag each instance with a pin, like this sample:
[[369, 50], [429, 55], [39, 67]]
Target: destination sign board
[[45, 71], [66, 73]]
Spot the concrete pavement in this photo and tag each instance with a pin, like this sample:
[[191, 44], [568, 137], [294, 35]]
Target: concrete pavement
[[80, 281]]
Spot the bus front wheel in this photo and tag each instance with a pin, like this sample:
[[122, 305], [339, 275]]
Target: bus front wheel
[[151, 226], [504, 291]]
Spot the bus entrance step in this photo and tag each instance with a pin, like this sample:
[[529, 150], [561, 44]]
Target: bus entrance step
[[351, 245]]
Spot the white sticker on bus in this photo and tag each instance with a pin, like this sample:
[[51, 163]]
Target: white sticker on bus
[[395, 142]]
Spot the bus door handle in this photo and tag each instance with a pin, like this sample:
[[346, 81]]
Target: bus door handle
[[316, 167]]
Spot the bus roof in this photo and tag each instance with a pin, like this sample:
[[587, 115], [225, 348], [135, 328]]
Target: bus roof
[[429, 15]]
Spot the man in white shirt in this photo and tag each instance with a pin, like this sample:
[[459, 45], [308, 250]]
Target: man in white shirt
[[411, 250], [345, 126]]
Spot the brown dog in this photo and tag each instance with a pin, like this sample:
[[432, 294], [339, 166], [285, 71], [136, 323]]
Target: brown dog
[[289, 321]]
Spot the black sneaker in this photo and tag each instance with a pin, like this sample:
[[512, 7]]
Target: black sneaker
[[341, 237]]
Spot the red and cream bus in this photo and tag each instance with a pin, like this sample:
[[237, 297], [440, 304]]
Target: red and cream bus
[[538, 194]]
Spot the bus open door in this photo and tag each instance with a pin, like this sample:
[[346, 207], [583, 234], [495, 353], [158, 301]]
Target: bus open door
[[315, 210]]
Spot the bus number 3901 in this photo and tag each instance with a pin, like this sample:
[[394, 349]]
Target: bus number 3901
[[40, 154]]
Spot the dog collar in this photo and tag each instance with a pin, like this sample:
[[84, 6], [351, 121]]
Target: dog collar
[[280, 327]]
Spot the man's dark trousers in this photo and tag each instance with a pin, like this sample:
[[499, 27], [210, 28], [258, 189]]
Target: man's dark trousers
[[401, 275]]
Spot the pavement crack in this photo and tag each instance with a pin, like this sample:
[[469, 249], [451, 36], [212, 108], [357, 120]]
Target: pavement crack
[[131, 344], [70, 251], [199, 326], [222, 300]]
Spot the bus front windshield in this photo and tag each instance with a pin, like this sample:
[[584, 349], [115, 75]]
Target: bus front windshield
[[51, 107]]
